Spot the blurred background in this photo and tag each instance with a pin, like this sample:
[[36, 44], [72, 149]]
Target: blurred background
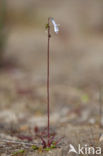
[[76, 53]]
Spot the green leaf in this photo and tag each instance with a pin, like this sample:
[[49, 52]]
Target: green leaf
[[46, 26], [21, 151], [18, 152], [53, 146], [53, 143], [34, 147], [47, 149]]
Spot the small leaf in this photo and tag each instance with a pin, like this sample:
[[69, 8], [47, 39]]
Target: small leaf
[[53, 146], [43, 141], [34, 147], [21, 151], [46, 26], [18, 152], [47, 149], [14, 153], [53, 143]]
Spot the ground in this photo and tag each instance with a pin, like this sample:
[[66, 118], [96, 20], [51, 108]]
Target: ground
[[74, 114]]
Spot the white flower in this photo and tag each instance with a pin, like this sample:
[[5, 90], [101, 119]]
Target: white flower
[[56, 28]]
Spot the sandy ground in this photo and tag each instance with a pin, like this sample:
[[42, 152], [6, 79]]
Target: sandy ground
[[74, 114]]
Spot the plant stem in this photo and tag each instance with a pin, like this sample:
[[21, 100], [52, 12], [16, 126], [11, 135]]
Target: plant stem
[[48, 104]]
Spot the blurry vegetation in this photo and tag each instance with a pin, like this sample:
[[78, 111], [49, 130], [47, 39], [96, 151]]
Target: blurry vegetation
[[2, 29]]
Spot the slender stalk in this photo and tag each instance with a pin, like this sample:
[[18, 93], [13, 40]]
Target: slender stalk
[[48, 102]]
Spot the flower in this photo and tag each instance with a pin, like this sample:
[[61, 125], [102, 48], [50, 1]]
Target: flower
[[56, 28]]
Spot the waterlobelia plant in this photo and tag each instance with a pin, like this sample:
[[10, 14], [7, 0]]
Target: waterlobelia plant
[[48, 140], [56, 30], [2, 27]]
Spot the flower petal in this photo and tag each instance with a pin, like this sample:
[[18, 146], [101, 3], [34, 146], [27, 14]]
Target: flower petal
[[56, 28]]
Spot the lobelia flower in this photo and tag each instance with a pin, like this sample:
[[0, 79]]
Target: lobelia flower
[[56, 28]]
